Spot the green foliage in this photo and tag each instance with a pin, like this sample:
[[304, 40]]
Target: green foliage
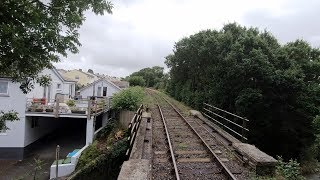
[[8, 116], [248, 72], [36, 33], [103, 133], [152, 76], [104, 166], [288, 170], [136, 81], [89, 154], [71, 103], [128, 99]]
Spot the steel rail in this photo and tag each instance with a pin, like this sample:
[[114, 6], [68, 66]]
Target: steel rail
[[224, 167], [169, 143]]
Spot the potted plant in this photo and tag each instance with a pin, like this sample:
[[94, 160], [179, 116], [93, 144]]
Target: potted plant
[[39, 108], [71, 103], [49, 108], [77, 110]]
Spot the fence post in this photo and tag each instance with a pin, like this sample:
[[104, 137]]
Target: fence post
[[243, 130], [57, 161]]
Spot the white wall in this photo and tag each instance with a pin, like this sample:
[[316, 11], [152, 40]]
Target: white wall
[[89, 90], [15, 101], [45, 126], [38, 90]]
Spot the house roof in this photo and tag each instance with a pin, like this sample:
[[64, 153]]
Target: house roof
[[60, 76], [121, 84], [101, 79]]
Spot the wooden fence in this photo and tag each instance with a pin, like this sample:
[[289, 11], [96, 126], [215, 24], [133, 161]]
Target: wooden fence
[[133, 128]]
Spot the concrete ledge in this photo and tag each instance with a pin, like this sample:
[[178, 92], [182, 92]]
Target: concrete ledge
[[265, 164], [137, 148], [135, 169]]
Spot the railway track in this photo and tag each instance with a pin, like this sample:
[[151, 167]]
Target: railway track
[[185, 148]]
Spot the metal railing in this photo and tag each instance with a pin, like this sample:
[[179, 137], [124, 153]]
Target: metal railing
[[232, 123], [133, 128]]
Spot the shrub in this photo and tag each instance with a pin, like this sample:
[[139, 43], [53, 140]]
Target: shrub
[[89, 154], [104, 166], [288, 170], [71, 103], [136, 81], [128, 99]]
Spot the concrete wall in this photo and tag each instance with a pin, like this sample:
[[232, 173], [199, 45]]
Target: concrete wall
[[46, 125], [125, 118], [111, 89]]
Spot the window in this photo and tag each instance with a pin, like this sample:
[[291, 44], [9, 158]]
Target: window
[[34, 122], [58, 86], [77, 77], [4, 88], [104, 93]]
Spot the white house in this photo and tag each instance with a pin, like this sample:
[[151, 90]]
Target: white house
[[58, 85], [27, 130], [102, 87]]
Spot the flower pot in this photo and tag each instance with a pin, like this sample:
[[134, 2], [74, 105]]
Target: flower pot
[[39, 110], [49, 110], [78, 111]]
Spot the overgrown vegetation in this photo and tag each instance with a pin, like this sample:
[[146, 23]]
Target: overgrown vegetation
[[248, 72], [103, 158], [128, 99]]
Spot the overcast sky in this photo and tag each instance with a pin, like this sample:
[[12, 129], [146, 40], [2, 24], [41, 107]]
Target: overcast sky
[[140, 33]]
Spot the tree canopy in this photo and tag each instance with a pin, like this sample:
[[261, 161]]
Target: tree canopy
[[136, 81], [35, 33], [152, 75], [246, 71]]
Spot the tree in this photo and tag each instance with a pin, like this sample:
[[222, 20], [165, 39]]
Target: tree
[[248, 72], [136, 81], [35, 33], [151, 75]]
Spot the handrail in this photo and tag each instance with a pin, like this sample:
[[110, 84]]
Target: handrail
[[243, 127], [226, 112], [133, 128]]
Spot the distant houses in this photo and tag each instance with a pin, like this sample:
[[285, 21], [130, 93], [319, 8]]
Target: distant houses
[[39, 111], [101, 88]]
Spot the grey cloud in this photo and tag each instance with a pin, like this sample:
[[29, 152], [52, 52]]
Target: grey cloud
[[115, 45], [302, 23]]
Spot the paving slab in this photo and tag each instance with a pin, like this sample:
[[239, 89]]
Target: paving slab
[[135, 169]]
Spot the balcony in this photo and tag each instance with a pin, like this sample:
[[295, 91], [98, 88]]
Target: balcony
[[67, 107]]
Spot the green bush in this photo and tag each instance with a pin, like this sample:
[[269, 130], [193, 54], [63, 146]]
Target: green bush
[[104, 166], [71, 103], [89, 154], [128, 99], [288, 170], [136, 81], [107, 129]]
